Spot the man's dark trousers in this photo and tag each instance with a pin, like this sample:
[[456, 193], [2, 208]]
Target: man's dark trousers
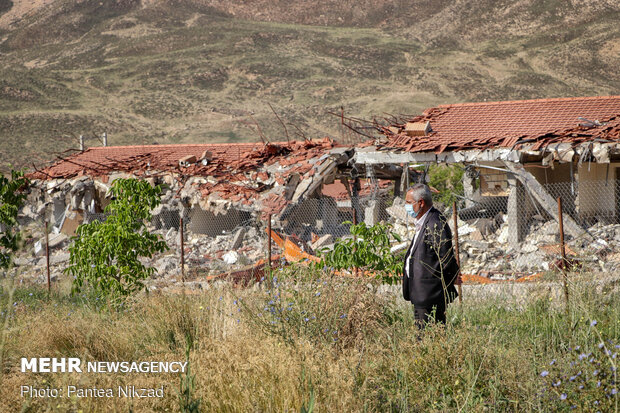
[[425, 315]]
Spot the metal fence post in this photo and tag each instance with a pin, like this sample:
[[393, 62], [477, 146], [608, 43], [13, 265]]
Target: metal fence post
[[182, 251], [269, 243], [47, 258], [563, 251], [458, 280], [354, 238]]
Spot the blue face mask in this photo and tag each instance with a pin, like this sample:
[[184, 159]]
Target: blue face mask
[[410, 211]]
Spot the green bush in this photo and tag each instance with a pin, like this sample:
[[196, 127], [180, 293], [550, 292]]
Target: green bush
[[370, 250], [105, 255], [11, 199]]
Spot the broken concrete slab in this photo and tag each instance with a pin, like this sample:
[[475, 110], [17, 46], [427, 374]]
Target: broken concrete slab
[[322, 241], [238, 238], [58, 240]]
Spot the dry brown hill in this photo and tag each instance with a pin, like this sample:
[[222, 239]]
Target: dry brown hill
[[194, 70]]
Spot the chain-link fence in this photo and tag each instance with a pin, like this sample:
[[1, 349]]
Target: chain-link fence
[[512, 235]]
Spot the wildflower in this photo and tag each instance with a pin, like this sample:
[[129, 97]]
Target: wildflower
[[556, 384], [614, 391], [582, 356], [601, 345], [593, 323], [235, 302], [30, 294], [270, 302], [237, 321], [572, 378], [598, 384], [577, 348], [595, 372], [306, 319], [552, 362], [221, 298], [317, 294], [343, 316], [262, 279], [545, 373], [581, 387], [563, 396]]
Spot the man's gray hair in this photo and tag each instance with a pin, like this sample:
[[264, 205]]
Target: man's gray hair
[[421, 191]]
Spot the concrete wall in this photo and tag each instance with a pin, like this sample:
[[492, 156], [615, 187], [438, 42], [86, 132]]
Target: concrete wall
[[206, 222], [595, 198]]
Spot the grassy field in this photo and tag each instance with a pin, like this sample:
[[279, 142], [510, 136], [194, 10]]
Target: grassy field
[[313, 342], [180, 72]]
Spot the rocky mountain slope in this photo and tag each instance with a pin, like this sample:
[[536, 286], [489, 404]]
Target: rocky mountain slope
[[206, 70]]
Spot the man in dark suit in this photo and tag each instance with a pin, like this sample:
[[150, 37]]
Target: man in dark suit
[[430, 267]]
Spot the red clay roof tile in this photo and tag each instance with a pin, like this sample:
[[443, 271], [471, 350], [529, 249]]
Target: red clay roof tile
[[479, 125]]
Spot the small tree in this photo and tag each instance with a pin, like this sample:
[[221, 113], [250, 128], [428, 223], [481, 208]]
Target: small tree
[[370, 250], [11, 199], [106, 254]]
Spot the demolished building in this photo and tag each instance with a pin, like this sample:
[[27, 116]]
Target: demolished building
[[520, 156]]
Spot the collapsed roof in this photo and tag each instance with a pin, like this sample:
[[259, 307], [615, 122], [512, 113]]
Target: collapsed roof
[[269, 175], [532, 127]]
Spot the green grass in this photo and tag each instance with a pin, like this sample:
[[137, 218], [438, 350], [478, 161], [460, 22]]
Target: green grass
[[307, 336]]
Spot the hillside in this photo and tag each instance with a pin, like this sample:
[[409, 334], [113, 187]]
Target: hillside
[[205, 71]]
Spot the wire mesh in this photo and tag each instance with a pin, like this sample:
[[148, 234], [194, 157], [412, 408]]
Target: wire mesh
[[506, 236]]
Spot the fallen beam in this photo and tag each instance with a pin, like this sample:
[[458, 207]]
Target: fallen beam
[[540, 194]]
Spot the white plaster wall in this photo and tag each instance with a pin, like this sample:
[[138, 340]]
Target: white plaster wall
[[594, 197]]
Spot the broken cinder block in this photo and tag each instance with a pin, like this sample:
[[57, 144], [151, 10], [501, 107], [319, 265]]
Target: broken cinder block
[[187, 161]]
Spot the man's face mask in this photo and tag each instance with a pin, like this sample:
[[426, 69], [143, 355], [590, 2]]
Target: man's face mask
[[410, 211]]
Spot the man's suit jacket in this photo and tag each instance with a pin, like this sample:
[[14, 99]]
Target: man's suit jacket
[[429, 280]]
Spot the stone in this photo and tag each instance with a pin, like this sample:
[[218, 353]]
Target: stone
[[230, 257], [398, 212], [322, 241], [59, 258], [21, 261], [503, 235], [476, 235], [465, 229], [57, 240], [166, 264], [238, 238]]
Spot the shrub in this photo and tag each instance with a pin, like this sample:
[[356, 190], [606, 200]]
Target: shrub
[[11, 200], [105, 255], [370, 250]]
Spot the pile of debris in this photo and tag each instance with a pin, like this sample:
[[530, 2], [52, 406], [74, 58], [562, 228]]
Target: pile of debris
[[485, 247]]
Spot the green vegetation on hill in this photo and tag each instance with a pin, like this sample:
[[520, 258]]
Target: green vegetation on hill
[[194, 71]]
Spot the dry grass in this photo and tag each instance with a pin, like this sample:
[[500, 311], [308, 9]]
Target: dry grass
[[486, 359]]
